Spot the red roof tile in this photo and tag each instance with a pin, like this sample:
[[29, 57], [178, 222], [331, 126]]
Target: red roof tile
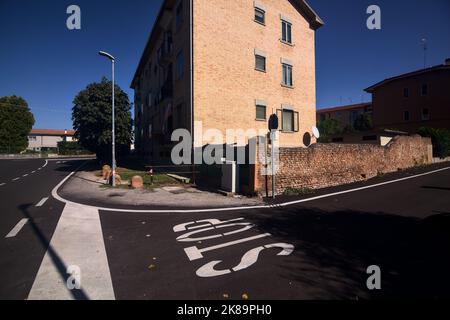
[[52, 132]]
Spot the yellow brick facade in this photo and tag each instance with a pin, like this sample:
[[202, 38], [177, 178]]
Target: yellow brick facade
[[226, 84]]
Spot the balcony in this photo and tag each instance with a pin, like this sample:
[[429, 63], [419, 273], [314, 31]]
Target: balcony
[[166, 92], [164, 53]]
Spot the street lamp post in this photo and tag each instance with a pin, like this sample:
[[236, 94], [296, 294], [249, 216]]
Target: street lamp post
[[113, 61]]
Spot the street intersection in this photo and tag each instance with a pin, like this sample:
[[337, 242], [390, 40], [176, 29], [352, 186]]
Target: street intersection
[[310, 248]]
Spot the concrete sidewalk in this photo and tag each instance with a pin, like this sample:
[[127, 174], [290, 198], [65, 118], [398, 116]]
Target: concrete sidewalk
[[86, 188]]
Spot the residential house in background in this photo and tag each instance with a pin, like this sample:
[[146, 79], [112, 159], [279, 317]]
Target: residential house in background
[[47, 139], [229, 65], [346, 116], [412, 100]]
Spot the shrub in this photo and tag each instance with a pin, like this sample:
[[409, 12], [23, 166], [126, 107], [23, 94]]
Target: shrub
[[297, 191], [328, 128], [70, 148], [440, 139]]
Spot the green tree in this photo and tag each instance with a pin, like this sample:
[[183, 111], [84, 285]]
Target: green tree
[[329, 128], [92, 116], [363, 122], [16, 121]]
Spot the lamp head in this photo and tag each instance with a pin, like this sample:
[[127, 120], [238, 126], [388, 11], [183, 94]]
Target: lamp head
[[106, 54]]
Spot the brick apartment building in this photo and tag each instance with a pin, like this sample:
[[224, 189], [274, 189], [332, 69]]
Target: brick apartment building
[[229, 64], [409, 101]]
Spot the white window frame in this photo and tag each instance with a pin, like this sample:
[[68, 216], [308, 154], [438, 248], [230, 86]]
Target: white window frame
[[286, 24], [285, 65]]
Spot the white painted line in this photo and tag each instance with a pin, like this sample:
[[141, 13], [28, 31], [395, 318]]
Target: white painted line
[[41, 203], [194, 253], [58, 197], [15, 179], [76, 243], [17, 228], [33, 171], [2, 184], [25, 175], [45, 164]]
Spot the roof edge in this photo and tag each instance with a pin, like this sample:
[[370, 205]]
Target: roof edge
[[404, 75]]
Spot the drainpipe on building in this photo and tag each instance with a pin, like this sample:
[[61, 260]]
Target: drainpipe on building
[[191, 44]]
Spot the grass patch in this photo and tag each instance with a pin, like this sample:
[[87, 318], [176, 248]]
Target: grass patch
[[297, 191], [159, 180]]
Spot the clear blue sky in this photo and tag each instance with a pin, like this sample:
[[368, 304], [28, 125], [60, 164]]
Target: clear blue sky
[[44, 62]]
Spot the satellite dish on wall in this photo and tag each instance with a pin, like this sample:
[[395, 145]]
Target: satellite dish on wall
[[315, 132]]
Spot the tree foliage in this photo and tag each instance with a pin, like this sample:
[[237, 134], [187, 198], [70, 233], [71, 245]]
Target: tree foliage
[[363, 122], [440, 139], [328, 128], [70, 148], [16, 121], [92, 118]]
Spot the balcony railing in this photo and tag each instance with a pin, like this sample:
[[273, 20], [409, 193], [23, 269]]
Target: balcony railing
[[165, 53]]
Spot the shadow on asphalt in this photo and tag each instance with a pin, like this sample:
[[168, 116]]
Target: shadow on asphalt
[[436, 188], [78, 294], [335, 249]]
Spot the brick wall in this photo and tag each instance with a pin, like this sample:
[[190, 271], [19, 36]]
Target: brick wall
[[326, 165]]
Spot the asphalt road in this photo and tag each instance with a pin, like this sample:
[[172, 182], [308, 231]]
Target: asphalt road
[[317, 249], [21, 255]]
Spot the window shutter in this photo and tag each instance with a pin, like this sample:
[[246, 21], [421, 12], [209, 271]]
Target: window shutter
[[280, 119], [296, 122]]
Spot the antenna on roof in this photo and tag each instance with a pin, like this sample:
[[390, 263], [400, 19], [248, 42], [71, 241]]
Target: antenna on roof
[[425, 48]]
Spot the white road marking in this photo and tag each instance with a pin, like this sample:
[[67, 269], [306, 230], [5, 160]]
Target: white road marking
[[195, 253], [33, 171], [247, 260], [17, 228], [58, 197], [41, 203], [15, 179], [45, 164], [25, 175], [2, 184], [77, 241], [40, 168]]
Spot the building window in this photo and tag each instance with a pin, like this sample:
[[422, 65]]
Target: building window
[[288, 120], [260, 112], [179, 15], [424, 90], [405, 92], [32, 138], [260, 63], [369, 138], [406, 116], [260, 16], [149, 99], [425, 114], [286, 31], [179, 65], [287, 75]]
